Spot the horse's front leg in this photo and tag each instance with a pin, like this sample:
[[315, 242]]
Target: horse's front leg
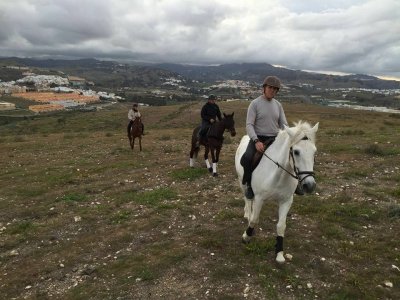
[[215, 156], [140, 143], [256, 206], [133, 143], [130, 140], [206, 150], [280, 229]]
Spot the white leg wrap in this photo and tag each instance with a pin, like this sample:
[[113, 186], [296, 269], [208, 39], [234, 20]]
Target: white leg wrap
[[280, 258], [191, 163], [214, 167], [207, 164], [245, 237]]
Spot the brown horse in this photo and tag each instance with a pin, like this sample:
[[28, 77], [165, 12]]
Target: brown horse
[[212, 142], [136, 132]]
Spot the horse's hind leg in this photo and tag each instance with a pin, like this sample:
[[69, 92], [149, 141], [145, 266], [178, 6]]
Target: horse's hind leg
[[130, 141], [280, 229], [194, 149], [193, 154], [253, 218], [207, 149], [140, 143]]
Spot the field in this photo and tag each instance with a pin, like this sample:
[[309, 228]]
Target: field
[[46, 97], [84, 217]]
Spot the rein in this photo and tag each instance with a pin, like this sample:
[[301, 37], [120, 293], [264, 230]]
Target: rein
[[295, 169]]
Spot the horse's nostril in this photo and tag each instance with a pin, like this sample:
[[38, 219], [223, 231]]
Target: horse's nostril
[[308, 187]]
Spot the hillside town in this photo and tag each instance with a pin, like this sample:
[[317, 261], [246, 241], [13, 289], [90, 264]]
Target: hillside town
[[46, 93], [53, 93]]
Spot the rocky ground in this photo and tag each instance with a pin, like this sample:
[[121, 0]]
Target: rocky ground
[[84, 217]]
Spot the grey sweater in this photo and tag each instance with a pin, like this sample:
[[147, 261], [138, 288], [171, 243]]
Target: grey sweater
[[264, 117]]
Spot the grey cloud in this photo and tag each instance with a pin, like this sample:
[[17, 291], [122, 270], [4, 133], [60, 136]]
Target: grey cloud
[[349, 36]]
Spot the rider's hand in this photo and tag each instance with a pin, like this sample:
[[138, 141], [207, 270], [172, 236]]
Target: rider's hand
[[260, 146], [212, 121]]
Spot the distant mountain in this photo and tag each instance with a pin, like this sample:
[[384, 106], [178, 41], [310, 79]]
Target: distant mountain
[[105, 74], [54, 63], [115, 74], [256, 72]]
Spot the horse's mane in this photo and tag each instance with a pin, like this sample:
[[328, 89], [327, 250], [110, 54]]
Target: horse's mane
[[302, 129]]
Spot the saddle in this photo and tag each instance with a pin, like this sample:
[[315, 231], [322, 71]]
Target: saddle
[[258, 155], [207, 132]]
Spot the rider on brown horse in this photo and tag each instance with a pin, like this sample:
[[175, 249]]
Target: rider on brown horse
[[209, 113], [132, 115]]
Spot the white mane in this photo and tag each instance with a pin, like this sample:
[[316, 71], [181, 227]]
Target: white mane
[[299, 131]]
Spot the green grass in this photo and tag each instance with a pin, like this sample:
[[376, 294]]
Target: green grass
[[121, 217], [394, 211], [227, 215], [22, 227], [74, 197], [188, 173], [154, 198]]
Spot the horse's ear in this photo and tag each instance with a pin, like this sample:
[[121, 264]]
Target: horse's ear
[[315, 128], [224, 115], [233, 114], [291, 131]]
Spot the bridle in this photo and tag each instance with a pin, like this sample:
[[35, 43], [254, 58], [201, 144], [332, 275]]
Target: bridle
[[296, 174]]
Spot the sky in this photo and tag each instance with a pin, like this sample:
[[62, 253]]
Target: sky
[[333, 36]]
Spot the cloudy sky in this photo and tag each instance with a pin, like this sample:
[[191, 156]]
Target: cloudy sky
[[350, 36]]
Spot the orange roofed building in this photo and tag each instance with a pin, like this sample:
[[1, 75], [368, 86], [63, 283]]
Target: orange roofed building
[[77, 81], [45, 107]]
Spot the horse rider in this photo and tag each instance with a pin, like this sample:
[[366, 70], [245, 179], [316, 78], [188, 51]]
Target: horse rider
[[209, 113], [132, 115], [265, 117]]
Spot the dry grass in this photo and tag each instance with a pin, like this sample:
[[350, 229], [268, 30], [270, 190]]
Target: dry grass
[[84, 217]]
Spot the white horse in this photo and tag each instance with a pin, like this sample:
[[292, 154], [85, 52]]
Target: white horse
[[286, 163]]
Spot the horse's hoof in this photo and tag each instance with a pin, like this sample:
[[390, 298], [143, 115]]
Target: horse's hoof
[[210, 170], [215, 174], [245, 238], [280, 259]]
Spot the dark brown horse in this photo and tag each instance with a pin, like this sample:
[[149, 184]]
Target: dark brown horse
[[136, 132], [212, 142]]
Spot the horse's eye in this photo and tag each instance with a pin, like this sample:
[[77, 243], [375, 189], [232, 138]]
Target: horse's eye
[[296, 152]]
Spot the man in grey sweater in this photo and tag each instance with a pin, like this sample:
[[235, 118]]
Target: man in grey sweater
[[265, 116]]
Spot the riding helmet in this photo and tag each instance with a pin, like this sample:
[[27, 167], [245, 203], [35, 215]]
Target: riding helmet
[[272, 81], [212, 97]]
